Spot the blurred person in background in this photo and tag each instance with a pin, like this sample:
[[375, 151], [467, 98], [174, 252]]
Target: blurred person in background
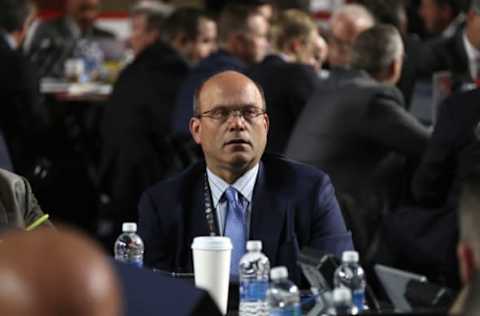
[[56, 273], [460, 54], [345, 25], [442, 18], [18, 206], [22, 117], [195, 33], [243, 41], [138, 149], [288, 75], [468, 248], [146, 18], [353, 135], [54, 41]]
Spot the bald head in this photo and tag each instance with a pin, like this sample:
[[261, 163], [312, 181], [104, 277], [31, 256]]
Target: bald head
[[345, 25], [55, 273], [226, 85]]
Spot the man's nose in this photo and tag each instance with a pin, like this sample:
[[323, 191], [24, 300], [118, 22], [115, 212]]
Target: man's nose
[[236, 120]]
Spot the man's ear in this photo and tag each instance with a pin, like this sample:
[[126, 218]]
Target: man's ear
[[195, 129], [466, 259]]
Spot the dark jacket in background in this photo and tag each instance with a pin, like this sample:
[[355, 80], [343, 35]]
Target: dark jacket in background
[[22, 116], [213, 64], [136, 132], [448, 156], [450, 55], [359, 133], [287, 87], [18, 206], [54, 41]]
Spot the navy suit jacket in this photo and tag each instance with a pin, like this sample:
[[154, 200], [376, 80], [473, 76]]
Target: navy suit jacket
[[294, 206]]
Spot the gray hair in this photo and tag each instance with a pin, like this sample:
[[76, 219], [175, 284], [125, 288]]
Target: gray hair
[[356, 13], [155, 12], [375, 49]]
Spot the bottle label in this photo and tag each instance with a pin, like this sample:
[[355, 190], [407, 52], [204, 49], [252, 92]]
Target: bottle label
[[358, 299], [294, 310], [135, 262], [255, 290]]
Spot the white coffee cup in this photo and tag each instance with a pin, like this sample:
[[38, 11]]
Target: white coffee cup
[[211, 263]]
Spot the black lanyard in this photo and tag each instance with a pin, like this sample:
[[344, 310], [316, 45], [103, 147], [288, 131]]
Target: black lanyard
[[209, 214]]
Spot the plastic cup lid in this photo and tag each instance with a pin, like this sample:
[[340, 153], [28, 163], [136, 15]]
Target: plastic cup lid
[[212, 243], [279, 273], [129, 227], [350, 256], [254, 245]]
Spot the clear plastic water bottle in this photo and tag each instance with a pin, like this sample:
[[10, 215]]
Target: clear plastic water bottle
[[342, 302], [283, 297], [129, 246], [253, 274], [351, 276]]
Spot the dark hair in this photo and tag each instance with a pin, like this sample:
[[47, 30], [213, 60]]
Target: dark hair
[[14, 13], [233, 19], [387, 12], [375, 49], [455, 5], [185, 21]]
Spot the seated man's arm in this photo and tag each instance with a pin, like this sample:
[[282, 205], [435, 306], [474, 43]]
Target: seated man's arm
[[31, 206], [150, 229], [329, 232]]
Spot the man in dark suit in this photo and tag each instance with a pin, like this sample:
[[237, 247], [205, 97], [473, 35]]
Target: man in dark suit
[[353, 131], [242, 40], [288, 77], [22, 117], [136, 131], [237, 192], [460, 54], [438, 179], [54, 41]]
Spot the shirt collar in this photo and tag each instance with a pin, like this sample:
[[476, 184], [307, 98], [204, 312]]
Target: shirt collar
[[244, 185], [472, 53], [73, 27], [12, 43], [453, 26]]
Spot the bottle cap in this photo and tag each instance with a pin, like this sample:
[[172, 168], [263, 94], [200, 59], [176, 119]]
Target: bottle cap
[[279, 273], [254, 245], [129, 227], [342, 295], [350, 256]]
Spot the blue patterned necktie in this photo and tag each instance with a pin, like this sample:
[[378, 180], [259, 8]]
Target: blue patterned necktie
[[235, 227]]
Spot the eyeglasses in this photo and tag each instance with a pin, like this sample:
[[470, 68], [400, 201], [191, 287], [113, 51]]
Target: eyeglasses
[[222, 113]]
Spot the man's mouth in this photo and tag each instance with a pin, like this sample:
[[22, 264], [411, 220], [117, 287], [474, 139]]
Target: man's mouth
[[238, 141]]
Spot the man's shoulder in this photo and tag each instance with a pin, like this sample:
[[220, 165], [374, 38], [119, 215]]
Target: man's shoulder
[[286, 172]]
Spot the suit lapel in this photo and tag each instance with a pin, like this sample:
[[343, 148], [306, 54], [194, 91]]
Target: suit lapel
[[268, 215]]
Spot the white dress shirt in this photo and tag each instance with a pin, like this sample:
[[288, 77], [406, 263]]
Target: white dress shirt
[[473, 55], [244, 185]]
